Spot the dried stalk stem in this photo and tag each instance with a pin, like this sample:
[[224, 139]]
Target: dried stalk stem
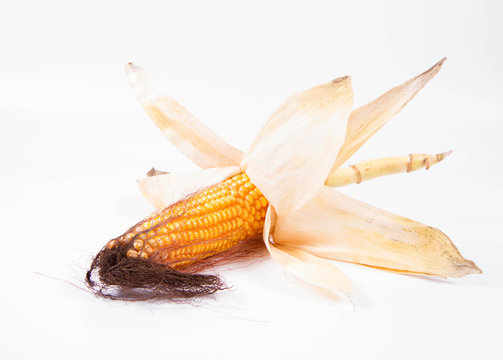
[[370, 169]]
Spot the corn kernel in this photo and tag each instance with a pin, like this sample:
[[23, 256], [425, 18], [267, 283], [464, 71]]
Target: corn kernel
[[132, 253]]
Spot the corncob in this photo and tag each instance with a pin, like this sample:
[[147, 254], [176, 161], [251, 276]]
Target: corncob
[[206, 223]]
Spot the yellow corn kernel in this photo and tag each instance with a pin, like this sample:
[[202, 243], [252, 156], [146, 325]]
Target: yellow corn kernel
[[132, 253]]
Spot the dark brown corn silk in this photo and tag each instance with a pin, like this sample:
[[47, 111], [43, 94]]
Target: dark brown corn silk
[[160, 257]]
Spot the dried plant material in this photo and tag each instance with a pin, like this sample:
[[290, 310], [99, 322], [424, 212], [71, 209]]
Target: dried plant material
[[369, 118], [294, 151], [370, 169], [276, 197], [194, 139], [165, 189], [305, 266], [155, 172], [335, 226]]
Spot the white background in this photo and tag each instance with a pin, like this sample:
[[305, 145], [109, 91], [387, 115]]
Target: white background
[[73, 140]]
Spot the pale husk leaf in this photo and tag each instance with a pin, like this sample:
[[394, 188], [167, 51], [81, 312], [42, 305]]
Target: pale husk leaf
[[164, 190], [335, 226], [307, 267], [369, 118], [294, 151], [195, 140]]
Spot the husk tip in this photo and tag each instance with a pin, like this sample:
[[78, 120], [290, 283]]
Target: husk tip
[[144, 86], [342, 79], [435, 68], [132, 69], [343, 84], [442, 156], [474, 269], [441, 61], [466, 267]]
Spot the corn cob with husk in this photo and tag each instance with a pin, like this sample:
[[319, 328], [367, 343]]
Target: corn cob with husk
[[278, 194]]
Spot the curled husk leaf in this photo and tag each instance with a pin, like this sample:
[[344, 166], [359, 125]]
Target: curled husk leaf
[[307, 267]]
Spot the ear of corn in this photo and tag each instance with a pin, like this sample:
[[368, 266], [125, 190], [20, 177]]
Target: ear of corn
[[308, 138], [206, 223]]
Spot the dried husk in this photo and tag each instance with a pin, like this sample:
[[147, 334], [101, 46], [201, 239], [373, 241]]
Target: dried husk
[[194, 139], [369, 118], [335, 226], [294, 151]]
